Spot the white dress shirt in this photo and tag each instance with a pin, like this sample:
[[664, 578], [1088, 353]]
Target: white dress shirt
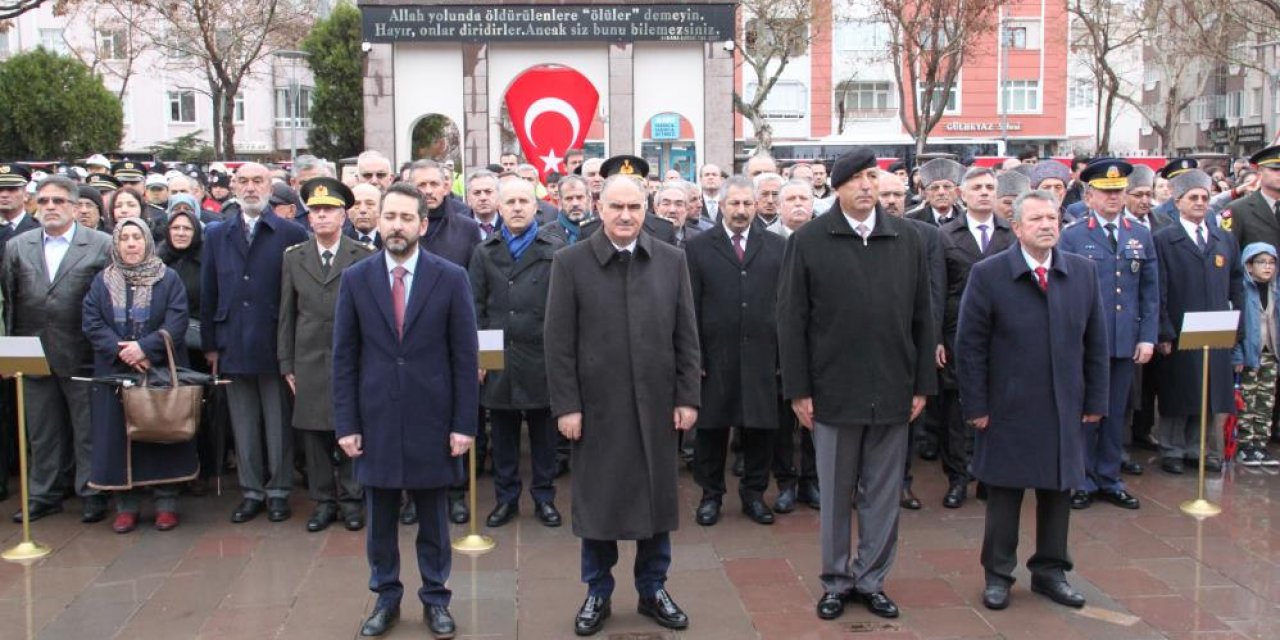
[[870, 223], [409, 265], [1033, 263], [746, 232], [631, 246], [55, 249], [990, 223], [1190, 227]]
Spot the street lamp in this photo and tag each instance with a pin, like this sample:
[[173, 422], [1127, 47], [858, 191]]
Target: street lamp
[[294, 96]]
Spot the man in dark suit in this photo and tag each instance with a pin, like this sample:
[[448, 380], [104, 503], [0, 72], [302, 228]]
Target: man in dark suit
[[710, 179], [1031, 360], [1137, 199], [13, 221], [632, 166], [240, 295], [482, 197], [940, 180], [405, 393], [733, 270], [671, 203], [46, 275], [362, 217], [308, 293]]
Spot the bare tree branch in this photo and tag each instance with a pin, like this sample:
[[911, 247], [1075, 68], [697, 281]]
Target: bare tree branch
[[773, 32]]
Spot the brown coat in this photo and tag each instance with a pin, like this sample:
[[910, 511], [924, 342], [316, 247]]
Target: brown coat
[[622, 348]]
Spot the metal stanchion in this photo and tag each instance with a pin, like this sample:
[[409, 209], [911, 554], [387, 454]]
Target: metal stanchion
[[1200, 507], [473, 542], [28, 549]]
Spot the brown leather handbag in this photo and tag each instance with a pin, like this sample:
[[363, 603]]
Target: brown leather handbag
[[162, 415]]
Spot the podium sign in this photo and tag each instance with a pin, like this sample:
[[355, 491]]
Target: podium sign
[[1205, 330], [22, 356], [492, 355]]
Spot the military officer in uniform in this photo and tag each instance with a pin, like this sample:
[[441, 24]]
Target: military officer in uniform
[[1256, 217], [1129, 279]]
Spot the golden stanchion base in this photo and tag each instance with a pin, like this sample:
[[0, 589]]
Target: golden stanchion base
[[474, 543], [26, 551], [1200, 507]]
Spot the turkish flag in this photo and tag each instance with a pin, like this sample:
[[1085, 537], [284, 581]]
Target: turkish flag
[[551, 109]]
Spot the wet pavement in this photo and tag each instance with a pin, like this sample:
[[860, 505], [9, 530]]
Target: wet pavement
[[1150, 573]]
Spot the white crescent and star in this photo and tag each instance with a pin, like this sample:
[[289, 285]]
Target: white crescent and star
[[551, 105]]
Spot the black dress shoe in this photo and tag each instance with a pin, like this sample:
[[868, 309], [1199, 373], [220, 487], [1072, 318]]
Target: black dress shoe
[[93, 509], [324, 515], [380, 621], [810, 495], [758, 511], [929, 452], [548, 515], [995, 596], [247, 510], [786, 502], [1172, 465], [956, 495], [278, 509], [503, 513], [439, 621], [739, 465], [458, 512], [409, 513], [909, 500], [353, 520], [663, 610], [1058, 591], [1131, 468], [1213, 464], [36, 510], [1147, 442], [708, 513], [831, 606], [879, 604], [591, 616], [1081, 499], [1121, 498]]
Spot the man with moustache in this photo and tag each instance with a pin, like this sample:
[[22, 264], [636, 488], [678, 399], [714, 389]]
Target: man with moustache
[[405, 393], [823, 195], [575, 207], [240, 278], [939, 178], [671, 203], [363, 216], [893, 194], [795, 206], [637, 169]]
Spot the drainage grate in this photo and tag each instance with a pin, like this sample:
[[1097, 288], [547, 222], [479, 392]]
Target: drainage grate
[[873, 627]]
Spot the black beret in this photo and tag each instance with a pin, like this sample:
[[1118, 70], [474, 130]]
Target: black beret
[[898, 165], [850, 163]]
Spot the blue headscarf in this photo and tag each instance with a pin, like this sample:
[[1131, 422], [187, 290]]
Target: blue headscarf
[[517, 244]]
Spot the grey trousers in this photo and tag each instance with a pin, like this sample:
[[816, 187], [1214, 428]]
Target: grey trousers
[[870, 459], [58, 429], [1180, 436], [327, 480], [264, 445]]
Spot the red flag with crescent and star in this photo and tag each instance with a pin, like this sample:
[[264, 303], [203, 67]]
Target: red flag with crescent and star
[[551, 109]]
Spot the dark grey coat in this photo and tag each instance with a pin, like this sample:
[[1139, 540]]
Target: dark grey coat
[[512, 296], [736, 305], [622, 349]]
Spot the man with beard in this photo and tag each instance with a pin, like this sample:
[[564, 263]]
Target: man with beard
[[767, 185], [939, 178], [573, 159], [823, 195], [575, 203], [240, 293], [893, 194], [482, 197], [404, 401], [363, 216]]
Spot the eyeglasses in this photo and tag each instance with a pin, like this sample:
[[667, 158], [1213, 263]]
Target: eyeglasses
[[1197, 197], [1262, 262], [42, 201]]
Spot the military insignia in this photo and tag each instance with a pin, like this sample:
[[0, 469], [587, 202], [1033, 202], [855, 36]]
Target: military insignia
[[321, 191], [626, 169], [1225, 223], [1219, 261], [1113, 172], [1135, 266]]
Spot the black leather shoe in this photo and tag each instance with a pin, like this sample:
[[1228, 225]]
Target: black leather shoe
[[758, 511], [439, 621], [353, 519], [503, 513], [879, 604], [458, 511], [36, 511], [1081, 499], [1059, 592], [93, 509], [995, 596], [247, 510], [1131, 468], [909, 500], [1172, 465], [786, 502], [708, 513], [956, 495], [739, 465], [548, 515], [1121, 498], [380, 621], [929, 452], [1147, 442], [278, 509], [324, 515], [810, 495], [663, 610], [409, 513], [831, 606], [1213, 464], [591, 616]]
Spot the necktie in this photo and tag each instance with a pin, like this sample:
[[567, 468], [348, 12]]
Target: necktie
[[397, 298], [712, 205], [624, 256], [488, 228], [1111, 236], [737, 247], [1042, 278], [1200, 238], [248, 232], [366, 239], [1277, 209], [326, 262], [986, 238], [864, 232]]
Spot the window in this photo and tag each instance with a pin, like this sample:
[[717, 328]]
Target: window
[[1151, 77], [1021, 96], [52, 40], [862, 36], [112, 44], [788, 100], [1255, 103], [1022, 34], [761, 36], [1015, 37], [1081, 93], [182, 107], [937, 39], [4, 44], [293, 110], [867, 100], [952, 97], [1234, 104], [239, 109]]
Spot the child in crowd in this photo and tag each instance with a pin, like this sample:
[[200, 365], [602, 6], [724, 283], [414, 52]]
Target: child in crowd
[[1255, 357]]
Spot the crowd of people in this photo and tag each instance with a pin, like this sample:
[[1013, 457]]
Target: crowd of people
[[818, 326]]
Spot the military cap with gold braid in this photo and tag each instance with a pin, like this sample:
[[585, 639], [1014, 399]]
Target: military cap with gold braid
[[128, 171], [633, 166], [1269, 157], [1176, 166], [13, 174], [327, 192], [103, 182], [1107, 173]]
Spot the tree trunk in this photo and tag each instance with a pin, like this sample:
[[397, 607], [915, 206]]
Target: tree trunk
[[764, 134], [216, 94], [228, 125], [1104, 140]]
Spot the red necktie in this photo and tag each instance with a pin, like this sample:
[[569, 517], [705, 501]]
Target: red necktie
[[737, 247], [397, 298], [1042, 277]]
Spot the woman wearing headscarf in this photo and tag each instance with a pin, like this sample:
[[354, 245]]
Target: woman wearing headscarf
[[128, 304]]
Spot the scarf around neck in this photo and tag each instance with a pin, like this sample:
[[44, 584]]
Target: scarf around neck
[[518, 244]]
